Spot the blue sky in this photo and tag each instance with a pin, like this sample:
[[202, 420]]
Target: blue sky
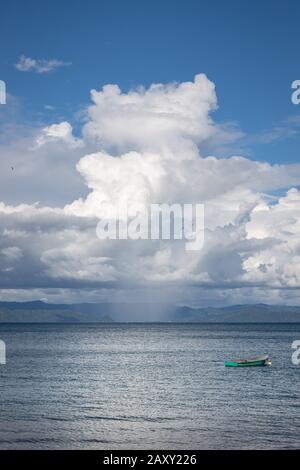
[[248, 49]]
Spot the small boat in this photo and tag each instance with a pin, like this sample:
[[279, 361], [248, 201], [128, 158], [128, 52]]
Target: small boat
[[254, 361]]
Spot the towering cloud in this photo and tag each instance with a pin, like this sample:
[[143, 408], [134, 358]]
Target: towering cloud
[[148, 146], [161, 117]]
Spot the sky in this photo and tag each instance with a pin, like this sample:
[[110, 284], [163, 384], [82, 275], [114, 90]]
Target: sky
[[221, 129]]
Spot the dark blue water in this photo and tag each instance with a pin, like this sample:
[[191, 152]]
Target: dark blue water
[[148, 386]]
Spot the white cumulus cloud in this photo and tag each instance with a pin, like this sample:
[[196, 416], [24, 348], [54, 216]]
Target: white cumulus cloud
[[56, 133], [141, 147]]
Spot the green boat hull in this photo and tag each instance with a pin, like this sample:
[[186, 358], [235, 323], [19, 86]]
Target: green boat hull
[[245, 364]]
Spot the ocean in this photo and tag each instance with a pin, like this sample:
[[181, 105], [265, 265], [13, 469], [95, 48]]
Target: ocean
[[148, 386]]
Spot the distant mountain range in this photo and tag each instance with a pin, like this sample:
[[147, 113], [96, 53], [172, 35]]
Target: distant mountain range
[[258, 313], [41, 312]]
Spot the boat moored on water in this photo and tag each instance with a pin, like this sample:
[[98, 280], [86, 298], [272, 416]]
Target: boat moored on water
[[254, 361]]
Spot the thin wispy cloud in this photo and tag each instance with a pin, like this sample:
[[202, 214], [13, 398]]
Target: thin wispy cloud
[[286, 129], [27, 64]]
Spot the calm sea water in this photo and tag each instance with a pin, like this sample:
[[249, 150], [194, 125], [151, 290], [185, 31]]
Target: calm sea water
[[147, 386]]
